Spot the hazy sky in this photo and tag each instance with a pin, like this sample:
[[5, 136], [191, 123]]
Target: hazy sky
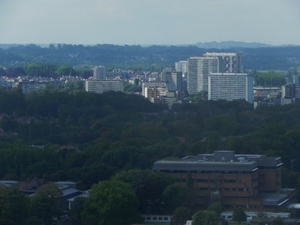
[[149, 21]]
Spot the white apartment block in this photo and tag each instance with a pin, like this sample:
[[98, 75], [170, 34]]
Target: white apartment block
[[198, 70], [181, 66], [100, 86], [99, 73], [152, 85], [230, 86], [228, 62]]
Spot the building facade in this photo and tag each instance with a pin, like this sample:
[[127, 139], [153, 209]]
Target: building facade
[[230, 86], [181, 66], [100, 86], [99, 73], [198, 70], [238, 180], [228, 62], [172, 79]]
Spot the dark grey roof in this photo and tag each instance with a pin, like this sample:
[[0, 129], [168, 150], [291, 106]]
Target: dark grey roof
[[219, 160]]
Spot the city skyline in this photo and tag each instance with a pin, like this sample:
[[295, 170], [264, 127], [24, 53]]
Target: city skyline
[[145, 22]]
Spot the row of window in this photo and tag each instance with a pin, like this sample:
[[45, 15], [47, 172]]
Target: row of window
[[227, 189], [155, 218], [208, 171]]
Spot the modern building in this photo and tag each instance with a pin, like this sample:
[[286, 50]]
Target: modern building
[[172, 79], [152, 85], [100, 86], [228, 62], [290, 94], [288, 91], [99, 73], [181, 66], [238, 180], [230, 86], [198, 70]]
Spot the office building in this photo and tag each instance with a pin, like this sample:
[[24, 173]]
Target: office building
[[172, 79], [228, 62], [100, 86], [181, 66], [99, 73], [198, 70], [237, 180], [152, 85], [230, 86]]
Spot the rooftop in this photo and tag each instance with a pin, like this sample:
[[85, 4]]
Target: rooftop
[[221, 160]]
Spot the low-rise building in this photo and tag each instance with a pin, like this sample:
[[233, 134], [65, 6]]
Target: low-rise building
[[239, 180], [100, 86]]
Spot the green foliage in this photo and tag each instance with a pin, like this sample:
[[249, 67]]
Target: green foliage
[[84, 72], [41, 70], [138, 58], [205, 218], [269, 79], [278, 221], [180, 216], [128, 87], [65, 70], [239, 215], [14, 206], [76, 210], [151, 187], [198, 97], [111, 202], [46, 203], [215, 207]]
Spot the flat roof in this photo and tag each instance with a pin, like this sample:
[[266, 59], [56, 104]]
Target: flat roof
[[205, 166]]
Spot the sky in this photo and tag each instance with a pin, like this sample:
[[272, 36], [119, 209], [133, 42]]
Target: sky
[[143, 22]]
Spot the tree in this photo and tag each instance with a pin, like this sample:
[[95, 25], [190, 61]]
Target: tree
[[239, 215], [189, 180], [278, 221], [205, 217], [65, 70], [215, 207], [173, 197], [111, 202], [76, 210], [14, 206], [46, 203], [150, 188], [180, 216]]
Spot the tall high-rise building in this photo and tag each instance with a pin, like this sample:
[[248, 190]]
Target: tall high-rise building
[[181, 66], [198, 70], [230, 86], [228, 62], [172, 79], [99, 73]]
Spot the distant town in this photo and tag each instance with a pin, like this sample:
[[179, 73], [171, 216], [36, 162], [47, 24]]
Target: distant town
[[217, 75], [167, 135]]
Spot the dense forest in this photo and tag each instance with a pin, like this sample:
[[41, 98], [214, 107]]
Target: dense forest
[[117, 131], [116, 137], [143, 58]]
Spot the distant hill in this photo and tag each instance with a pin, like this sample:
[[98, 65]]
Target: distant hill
[[152, 57], [6, 46], [231, 44]]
